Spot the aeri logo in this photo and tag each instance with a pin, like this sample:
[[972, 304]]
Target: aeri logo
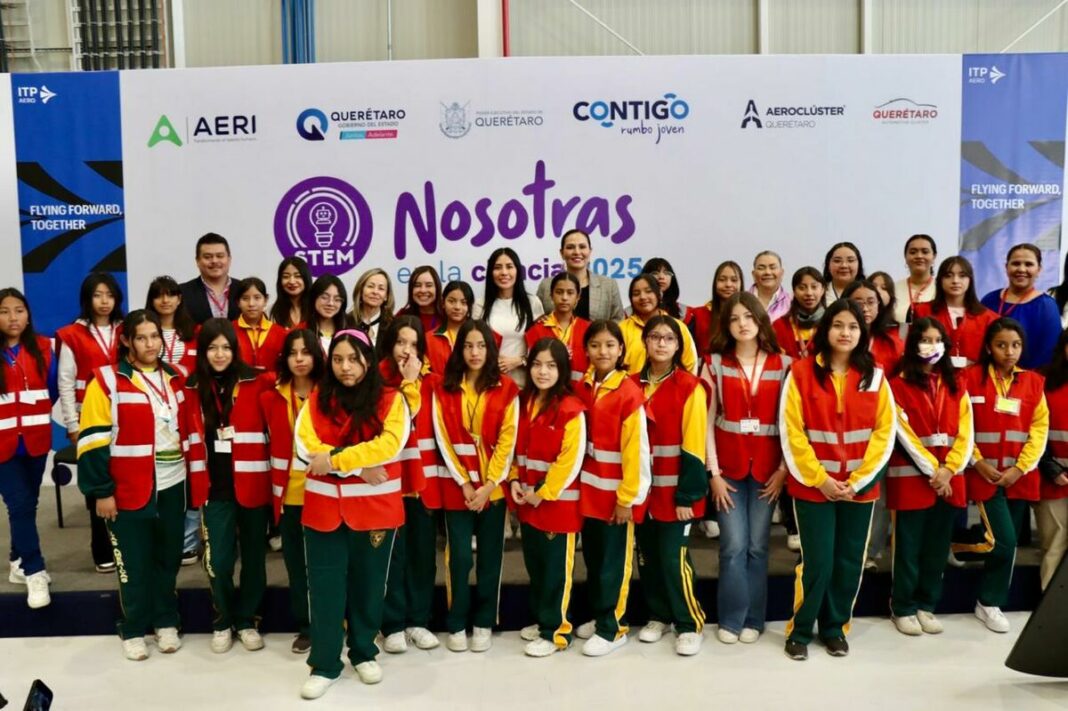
[[325, 221], [312, 125], [454, 123], [164, 131]]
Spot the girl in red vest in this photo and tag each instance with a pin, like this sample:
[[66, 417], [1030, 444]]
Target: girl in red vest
[[92, 341], [563, 325], [424, 298], [476, 416], [300, 366], [130, 461], [457, 300], [179, 332], [677, 415], [615, 483], [957, 307], [727, 281], [1051, 512], [231, 480], [27, 391], [292, 304], [329, 309], [837, 426], [545, 488], [1011, 429], [350, 433], [259, 340], [410, 588], [925, 482], [744, 455]]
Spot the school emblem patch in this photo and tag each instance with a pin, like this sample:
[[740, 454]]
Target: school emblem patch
[[377, 537]]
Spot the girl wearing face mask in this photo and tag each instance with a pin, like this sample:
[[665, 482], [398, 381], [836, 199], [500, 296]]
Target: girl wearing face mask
[[1035, 311], [424, 298], [1011, 429], [925, 482], [292, 305], [705, 320], [259, 340], [645, 303], [919, 286], [1051, 512], [563, 325], [179, 331], [842, 266], [372, 303], [956, 307]]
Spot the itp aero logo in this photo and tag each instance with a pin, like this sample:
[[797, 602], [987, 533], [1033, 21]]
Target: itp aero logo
[[35, 94], [984, 75]]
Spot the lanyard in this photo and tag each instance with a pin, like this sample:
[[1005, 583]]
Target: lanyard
[[219, 306], [1001, 386], [219, 405], [254, 340], [295, 401], [1002, 302], [802, 344], [105, 345], [168, 349], [913, 297], [471, 411], [749, 380], [161, 391], [938, 402], [13, 360]]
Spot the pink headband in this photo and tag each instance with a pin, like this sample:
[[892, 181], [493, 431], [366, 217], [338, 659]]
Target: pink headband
[[358, 335]]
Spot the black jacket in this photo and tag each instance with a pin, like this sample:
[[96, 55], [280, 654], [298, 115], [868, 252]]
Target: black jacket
[[195, 300]]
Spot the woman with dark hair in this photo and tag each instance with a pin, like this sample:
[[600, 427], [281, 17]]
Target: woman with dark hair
[[598, 295], [372, 303], [705, 320], [1011, 429], [509, 310], [745, 375], [350, 433], [794, 330], [644, 293], [919, 286], [842, 266], [27, 393], [457, 300], [545, 488], [292, 304], [130, 463], [1036, 312], [300, 366], [424, 298], [179, 332], [884, 284], [259, 340], [92, 341], [884, 340], [329, 309], [476, 417], [231, 477], [837, 424], [1051, 512], [664, 273], [563, 325], [925, 483], [956, 307], [677, 413]]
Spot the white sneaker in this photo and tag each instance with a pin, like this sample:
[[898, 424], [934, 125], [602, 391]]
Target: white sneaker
[[598, 646], [250, 639], [529, 633], [16, 576], [275, 543], [369, 672], [776, 515], [481, 639], [167, 640], [749, 635], [953, 561], [474, 544], [315, 686], [710, 529], [929, 623], [540, 648], [457, 641], [396, 643], [793, 542], [221, 641], [37, 595], [508, 535], [586, 630], [423, 638], [992, 617], [135, 649], [726, 636], [908, 625], [688, 644], [653, 631]]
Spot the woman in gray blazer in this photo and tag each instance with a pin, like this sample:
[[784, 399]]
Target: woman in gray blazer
[[599, 298]]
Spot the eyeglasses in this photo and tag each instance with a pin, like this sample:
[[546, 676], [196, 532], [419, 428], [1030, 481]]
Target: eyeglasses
[[668, 339], [867, 303], [663, 272]]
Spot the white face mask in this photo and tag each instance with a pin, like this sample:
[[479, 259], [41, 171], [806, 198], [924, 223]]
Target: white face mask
[[931, 352]]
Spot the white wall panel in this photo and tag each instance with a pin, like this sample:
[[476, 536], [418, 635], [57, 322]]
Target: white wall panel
[[232, 32], [814, 26], [353, 30]]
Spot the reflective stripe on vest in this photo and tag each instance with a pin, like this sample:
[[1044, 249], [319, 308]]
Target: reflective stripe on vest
[[736, 428], [670, 450], [601, 483], [822, 436], [131, 450], [835, 467], [895, 472], [569, 495], [1058, 435], [279, 463], [335, 491], [242, 466], [276, 490], [250, 438], [604, 456], [666, 480], [987, 437]]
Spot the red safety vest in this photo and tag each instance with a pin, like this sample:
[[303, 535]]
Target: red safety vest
[[537, 448], [886, 349], [422, 467], [699, 319], [497, 399], [758, 453], [576, 347], [1000, 437], [188, 361], [788, 334], [1057, 400], [966, 339], [331, 501], [26, 407], [839, 440], [249, 454], [88, 352], [264, 357], [937, 424], [602, 469], [280, 416]]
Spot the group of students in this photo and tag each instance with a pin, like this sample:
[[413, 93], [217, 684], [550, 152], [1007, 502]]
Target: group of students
[[355, 433]]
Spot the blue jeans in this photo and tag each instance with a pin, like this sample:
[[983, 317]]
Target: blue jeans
[[190, 542], [743, 558], [20, 487]]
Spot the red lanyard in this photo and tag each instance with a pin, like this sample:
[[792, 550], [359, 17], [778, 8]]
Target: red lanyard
[[802, 344], [912, 298], [161, 392], [938, 402], [219, 307], [168, 351], [254, 341], [218, 404], [106, 346], [295, 402], [999, 384], [748, 380], [1001, 301]]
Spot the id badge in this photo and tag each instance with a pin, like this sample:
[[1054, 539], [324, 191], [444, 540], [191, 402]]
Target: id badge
[[958, 361], [750, 425], [225, 433], [223, 446], [940, 439], [1007, 405]]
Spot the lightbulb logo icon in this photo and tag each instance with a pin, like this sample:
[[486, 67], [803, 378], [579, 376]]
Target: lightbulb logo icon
[[325, 221], [323, 218]]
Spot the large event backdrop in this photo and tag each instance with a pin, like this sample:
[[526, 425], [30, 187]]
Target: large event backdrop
[[696, 159]]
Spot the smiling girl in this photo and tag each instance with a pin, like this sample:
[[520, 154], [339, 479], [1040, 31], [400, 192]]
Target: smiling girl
[[292, 304], [726, 282], [841, 267], [424, 298], [645, 303], [259, 340], [919, 286], [329, 304], [563, 325]]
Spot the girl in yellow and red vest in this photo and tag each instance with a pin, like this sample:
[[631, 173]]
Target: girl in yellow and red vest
[[925, 482], [676, 412], [350, 432], [837, 425], [228, 436], [132, 435], [300, 366], [744, 455], [259, 340], [645, 303], [27, 391], [476, 415], [410, 587], [92, 341], [563, 325], [1051, 512], [457, 300], [545, 489], [179, 332], [615, 483], [1011, 429], [958, 308]]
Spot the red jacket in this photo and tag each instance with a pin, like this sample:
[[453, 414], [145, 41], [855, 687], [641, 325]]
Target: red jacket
[[537, 448], [26, 407], [279, 416], [789, 337], [887, 349], [576, 347], [264, 357], [699, 319], [965, 340], [422, 467], [88, 352], [1057, 400]]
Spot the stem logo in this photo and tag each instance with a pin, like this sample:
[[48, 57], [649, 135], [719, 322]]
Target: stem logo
[[325, 221]]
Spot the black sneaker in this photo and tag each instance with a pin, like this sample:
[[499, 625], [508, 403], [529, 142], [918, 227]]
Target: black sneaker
[[796, 651], [837, 646], [190, 557], [301, 644]]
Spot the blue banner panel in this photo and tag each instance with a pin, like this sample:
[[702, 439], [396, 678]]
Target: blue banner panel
[[1012, 161], [68, 145]]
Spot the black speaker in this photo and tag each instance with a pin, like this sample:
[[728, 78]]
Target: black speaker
[[1040, 648]]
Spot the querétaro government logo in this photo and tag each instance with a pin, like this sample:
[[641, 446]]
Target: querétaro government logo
[[637, 117], [454, 123], [312, 125], [779, 117], [366, 123], [457, 119], [325, 221]]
